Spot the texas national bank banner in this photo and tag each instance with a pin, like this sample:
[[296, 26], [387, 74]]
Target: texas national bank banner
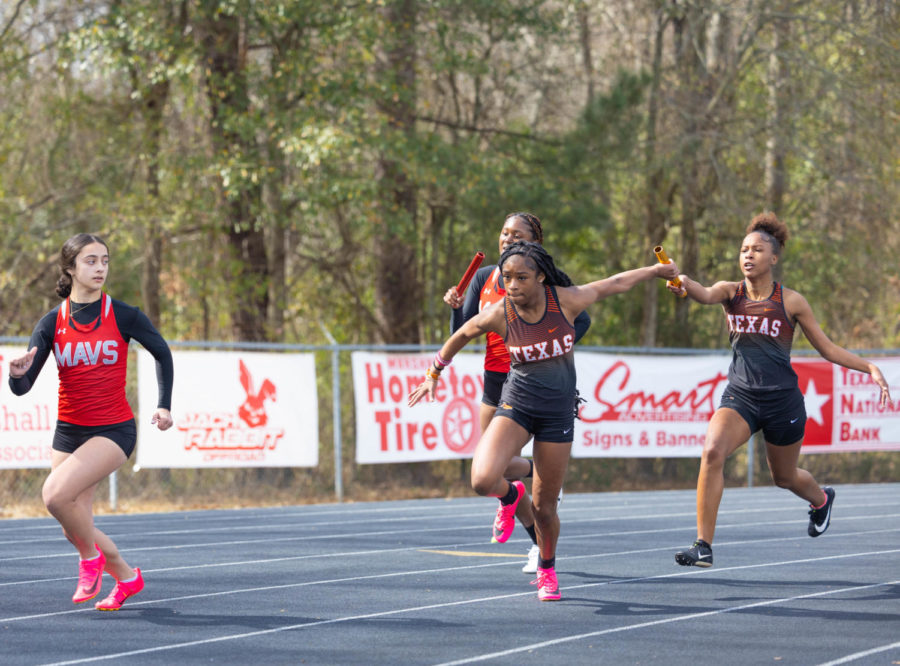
[[232, 409], [27, 421]]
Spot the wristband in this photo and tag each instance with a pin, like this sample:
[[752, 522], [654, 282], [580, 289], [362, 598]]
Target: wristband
[[439, 362], [432, 373]]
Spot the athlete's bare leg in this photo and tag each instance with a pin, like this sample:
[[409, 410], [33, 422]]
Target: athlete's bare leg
[[785, 473], [726, 432], [551, 459], [517, 469], [68, 494], [502, 439]]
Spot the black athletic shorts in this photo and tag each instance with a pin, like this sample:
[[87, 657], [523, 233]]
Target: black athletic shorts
[[493, 385], [780, 414], [543, 428], [69, 436]]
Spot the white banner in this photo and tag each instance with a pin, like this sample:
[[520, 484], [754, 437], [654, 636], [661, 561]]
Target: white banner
[[232, 409], [842, 410], [646, 406], [27, 421], [387, 430]]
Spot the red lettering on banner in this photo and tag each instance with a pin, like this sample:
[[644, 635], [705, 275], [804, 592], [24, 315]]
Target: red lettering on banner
[[851, 434], [27, 420], [374, 382], [618, 404]]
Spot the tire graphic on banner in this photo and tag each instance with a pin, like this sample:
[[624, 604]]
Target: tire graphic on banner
[[460, 426]]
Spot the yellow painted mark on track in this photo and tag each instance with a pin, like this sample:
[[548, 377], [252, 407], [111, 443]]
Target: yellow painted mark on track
[[464, 553]]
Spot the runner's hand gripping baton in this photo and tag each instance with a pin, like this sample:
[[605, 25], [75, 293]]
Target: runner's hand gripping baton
[[470, 272], [664, 259]]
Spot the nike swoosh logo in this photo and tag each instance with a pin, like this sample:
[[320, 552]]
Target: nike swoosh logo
[[96, 585], [795, 420], [703, 557], [565, 432], [552, 329], [824, 522]]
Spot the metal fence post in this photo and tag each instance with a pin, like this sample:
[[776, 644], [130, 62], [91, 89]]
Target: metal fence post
[[336, 413], [113, 491]]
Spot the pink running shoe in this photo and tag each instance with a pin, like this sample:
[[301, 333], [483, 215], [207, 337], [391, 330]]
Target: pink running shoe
[[121, 592], [90, 578], [506, 516], [548, 587]]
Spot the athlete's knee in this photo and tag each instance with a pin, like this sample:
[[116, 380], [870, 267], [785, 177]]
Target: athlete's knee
[[544, 512], [714, 452], [784, 479], [483, 484]]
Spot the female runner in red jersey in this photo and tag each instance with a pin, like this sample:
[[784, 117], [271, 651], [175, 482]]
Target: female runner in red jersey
[[88, 334], [763, 391], [486, 289], [538, 398]]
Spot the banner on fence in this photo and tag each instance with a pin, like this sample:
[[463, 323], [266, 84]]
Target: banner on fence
[[842, 407], [388, 431], [646, 406], [232, 409], [27, 421], [637, 406]]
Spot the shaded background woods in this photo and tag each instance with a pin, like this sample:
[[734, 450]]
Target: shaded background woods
[[264, 170]]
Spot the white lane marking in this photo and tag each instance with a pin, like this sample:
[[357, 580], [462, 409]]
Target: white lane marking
[[862, 655], [305, 625], [653, 623]]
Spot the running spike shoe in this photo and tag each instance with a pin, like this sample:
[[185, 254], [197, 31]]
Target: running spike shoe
[[548, 587], [506, 516], [121, 592], [531, 564], [90, 577], [820, 519], [698, 555]]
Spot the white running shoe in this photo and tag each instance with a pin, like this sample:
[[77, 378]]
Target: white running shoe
[[531, 564]]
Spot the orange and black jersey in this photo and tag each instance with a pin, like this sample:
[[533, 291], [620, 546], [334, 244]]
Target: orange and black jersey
[[485, 289], [541, 378], [90, 345], [761, 334]]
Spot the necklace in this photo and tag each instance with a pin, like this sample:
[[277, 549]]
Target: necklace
[[74, 312]]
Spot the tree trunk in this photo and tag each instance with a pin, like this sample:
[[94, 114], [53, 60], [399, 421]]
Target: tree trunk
[[655, 221], [397, 289], [776, 177], [224, 49]]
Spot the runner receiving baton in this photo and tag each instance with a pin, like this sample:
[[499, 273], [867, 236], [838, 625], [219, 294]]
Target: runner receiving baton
[[487, 288]]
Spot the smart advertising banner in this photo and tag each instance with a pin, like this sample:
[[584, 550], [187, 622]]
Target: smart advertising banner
[[232, 409], [27, 422], [636, 406]]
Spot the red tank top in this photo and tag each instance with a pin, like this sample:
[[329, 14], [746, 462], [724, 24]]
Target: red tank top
[[92, 360], [496, 358]]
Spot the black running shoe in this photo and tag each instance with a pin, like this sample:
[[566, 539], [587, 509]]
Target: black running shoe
[[820, 518], [698, 555]]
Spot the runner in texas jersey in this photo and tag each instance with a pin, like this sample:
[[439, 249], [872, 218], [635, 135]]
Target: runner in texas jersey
[[762, 391], [486, 289], [88, 335], [538, 398]]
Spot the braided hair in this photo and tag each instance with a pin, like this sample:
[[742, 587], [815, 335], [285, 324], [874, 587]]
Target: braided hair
[[537, 231], [771, 228], [539, 260]]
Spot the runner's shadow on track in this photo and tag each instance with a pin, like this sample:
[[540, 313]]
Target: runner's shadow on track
[[167, 617]]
